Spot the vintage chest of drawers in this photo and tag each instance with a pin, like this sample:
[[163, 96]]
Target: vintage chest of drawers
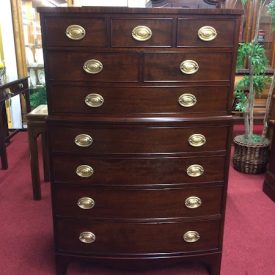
[[139, 131]]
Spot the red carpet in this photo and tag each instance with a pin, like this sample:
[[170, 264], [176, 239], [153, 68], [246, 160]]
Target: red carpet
[[26, 226]]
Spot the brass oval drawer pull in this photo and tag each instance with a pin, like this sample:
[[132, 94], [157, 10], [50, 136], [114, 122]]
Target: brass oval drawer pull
[[193, 202], [87, 237], [207, 33], [195, 170], [189, 67], [75, 32], [84, 171], [94, 100], [83, 140], [93, 66], [191, 236], [187, 100], [142, 33], [86, 203], [197, 140]]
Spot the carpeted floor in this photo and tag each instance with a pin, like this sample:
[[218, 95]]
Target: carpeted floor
[[26, 239]]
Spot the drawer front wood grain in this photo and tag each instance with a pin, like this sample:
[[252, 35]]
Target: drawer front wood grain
[[188, 28], [121, 139], [95, 31], [116, 67], [138, 204], [134, 238], [166, 67], [138, 100], [121, 32], [139, 171]]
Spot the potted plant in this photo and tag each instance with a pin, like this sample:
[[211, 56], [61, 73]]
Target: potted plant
[[251, 150]]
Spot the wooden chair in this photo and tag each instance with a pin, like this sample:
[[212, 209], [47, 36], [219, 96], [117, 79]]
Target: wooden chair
[[36, 122]]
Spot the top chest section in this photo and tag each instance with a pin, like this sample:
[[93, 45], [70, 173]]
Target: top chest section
[[144, 30]]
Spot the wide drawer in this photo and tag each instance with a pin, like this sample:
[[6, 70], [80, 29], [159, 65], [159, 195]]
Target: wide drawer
[[205, 32], [138, 100], [75, 31], [94, 202], [137, 171], [119, 139], [204, 66], [103, 67], [143, 32], [114, 238]]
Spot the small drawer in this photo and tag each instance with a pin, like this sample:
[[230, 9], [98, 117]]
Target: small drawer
[[142, 32], [128, 204], [198, 66], [137, 171], [139, 100], [136, 140], [155, 237], [93, 66], [75, 31], [206, 32]]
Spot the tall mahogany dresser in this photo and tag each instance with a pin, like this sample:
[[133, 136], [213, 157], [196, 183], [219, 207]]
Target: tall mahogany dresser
[[139, 130]]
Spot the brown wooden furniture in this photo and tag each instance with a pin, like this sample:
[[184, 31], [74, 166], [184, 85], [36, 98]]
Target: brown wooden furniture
[[7, 91], [36, 122], [139, 131], [269, 182]]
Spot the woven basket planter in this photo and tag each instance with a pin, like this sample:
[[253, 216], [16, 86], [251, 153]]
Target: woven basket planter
[[250, 158]]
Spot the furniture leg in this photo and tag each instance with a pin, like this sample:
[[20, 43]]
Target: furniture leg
[[45, 156], [34, 164], [61, 263], [3, 152]]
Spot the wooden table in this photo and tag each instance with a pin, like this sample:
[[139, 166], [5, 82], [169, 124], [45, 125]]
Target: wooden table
[[7, 91]]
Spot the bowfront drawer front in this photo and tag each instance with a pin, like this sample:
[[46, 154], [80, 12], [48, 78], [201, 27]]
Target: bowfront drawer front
[[144, 32], [98, 238], [130, 171], [181, 67], [121, 139], [206, 32], [128, 204], [75, 31], [139, 100], [93, 66]]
